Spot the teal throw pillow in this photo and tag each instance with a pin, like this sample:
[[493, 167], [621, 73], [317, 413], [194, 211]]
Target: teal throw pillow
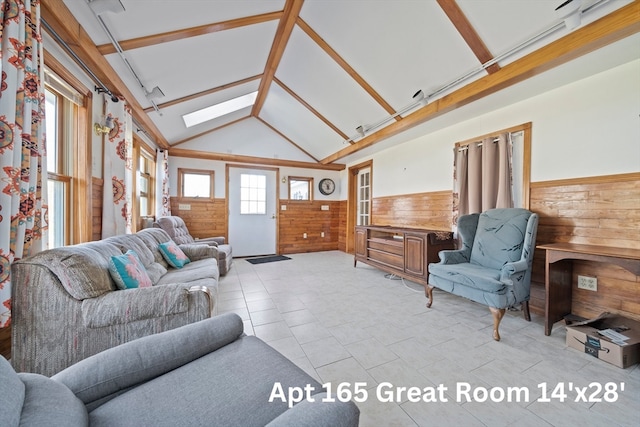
[[173, 254], [128, 272]]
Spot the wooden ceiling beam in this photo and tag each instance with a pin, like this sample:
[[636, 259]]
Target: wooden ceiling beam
[[203, 93], [616, 26], [310, 108], [287, 22], [170, 36], [346, 67], [468, 33], [235, 158], [61, 20]]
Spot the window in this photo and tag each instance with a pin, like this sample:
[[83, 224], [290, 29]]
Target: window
[[145, 185], [253, 194], [300, 188], [364, 196], [195, 184], [60, 114]]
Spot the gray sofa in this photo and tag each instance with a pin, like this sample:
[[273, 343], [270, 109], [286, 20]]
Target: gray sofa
[[66, 306], [204, 374], [177, 230]]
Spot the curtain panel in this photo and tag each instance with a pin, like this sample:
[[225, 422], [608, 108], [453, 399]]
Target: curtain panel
[[482, 176], [163, 205], [23, 166], [117, 170]]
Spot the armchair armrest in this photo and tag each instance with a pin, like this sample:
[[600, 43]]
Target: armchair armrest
[[197, 252], [105, 374], [455, 256], [213, 241], [511, 268]]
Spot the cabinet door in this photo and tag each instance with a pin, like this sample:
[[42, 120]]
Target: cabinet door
[[414, 255], [361, 243]]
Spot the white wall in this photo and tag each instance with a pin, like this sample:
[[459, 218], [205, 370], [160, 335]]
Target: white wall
[[588, 128], [219, 168]]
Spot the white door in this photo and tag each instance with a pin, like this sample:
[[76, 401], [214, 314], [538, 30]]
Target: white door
[[252, 211]]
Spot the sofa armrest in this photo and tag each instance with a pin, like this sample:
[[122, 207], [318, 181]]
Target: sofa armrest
[[109, 372], [213, 241], [319, 413], [196, 252]]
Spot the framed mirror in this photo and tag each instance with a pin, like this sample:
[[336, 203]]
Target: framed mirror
[[300, 188]]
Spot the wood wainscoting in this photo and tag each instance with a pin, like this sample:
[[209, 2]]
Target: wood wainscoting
[[431, 210], [97, 185], [5, 342], [203, 218], [308, 217], [602, 210]]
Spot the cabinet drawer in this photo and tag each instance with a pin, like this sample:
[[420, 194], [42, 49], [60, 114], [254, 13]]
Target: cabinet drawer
[[389, 246], [387, 258]]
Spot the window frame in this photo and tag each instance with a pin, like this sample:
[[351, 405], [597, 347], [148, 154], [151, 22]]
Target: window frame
[[186, 171], [142, 150], [308, 180]]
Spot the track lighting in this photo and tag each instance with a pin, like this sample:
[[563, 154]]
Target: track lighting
[[569, 11], [155, 93], [102, 6], [101, 129]]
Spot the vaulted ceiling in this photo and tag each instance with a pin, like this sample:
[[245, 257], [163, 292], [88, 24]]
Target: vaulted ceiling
[[323, 68]]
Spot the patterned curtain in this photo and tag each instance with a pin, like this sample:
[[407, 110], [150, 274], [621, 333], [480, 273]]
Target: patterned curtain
[[23, 206], [117, 170], [163, 205], [482, 176]]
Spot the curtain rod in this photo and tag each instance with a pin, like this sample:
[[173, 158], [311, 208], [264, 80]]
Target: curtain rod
[[100, 86]]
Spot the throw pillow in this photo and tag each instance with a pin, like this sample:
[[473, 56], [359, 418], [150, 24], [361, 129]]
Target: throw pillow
[[128, 272], [173, 254]]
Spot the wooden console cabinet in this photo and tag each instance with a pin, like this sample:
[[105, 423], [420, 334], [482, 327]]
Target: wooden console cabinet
[[405, 252]]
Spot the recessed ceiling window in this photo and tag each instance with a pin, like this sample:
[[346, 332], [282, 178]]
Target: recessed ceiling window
[[218, 110]]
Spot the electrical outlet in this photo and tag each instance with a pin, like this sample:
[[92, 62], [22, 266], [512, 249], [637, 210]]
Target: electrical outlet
[[588, 283], [304, 235], [322, 234]]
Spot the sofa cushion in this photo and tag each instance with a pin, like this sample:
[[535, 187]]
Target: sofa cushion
[[128, 272], [12, 391], [226, 402], [173, 254], [152, 237], [135, 243], [497, 229], [471, 275], [195, 271], [50, 403]]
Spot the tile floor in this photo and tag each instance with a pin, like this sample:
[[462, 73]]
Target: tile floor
[[344, 325]]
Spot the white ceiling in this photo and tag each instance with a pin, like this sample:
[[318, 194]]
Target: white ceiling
[[313, 103]]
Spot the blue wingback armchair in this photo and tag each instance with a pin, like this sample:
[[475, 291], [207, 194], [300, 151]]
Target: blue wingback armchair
[[493, 267]]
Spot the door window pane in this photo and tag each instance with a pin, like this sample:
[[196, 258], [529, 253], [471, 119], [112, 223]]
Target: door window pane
[[253, 194]]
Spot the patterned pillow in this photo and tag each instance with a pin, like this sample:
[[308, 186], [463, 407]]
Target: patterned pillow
[[128, 272], [173, 254]]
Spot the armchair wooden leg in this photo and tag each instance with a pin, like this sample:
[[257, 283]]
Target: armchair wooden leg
[[497, 317], [525, 310], [428, 291]]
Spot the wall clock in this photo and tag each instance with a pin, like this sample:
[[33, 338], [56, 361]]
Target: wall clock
[[327, 186]]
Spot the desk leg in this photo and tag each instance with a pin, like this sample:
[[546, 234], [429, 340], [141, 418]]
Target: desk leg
[[557, 292]]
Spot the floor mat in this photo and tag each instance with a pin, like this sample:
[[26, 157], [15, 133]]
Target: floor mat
[[265, 259]]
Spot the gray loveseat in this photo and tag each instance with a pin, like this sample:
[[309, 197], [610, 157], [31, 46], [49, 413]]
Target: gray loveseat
[[66, 306], [204, 374]]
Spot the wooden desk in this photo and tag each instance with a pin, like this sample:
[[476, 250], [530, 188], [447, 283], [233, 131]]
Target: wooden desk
[[559, 269]]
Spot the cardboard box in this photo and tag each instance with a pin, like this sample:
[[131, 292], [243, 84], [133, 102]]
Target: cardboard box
[[612, 338]]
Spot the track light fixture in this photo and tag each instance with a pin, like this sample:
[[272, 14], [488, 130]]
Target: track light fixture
[[103, 6], [101, 129], [155, 93], [569, 11]]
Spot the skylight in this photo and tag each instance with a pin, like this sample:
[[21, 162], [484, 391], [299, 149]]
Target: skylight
[[218, 110]]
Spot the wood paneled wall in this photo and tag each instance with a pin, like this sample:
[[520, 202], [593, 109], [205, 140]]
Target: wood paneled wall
[[5, 342], [96, 208], [342, 226], [600, 211], [204, 218], [308, 217], [421, 210]]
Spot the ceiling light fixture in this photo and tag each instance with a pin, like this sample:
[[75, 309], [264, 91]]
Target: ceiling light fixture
[[102, 6], [214, 111], [569, 11], [155, 93]]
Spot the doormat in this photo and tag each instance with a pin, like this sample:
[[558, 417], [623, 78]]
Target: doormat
[[265, 259]]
